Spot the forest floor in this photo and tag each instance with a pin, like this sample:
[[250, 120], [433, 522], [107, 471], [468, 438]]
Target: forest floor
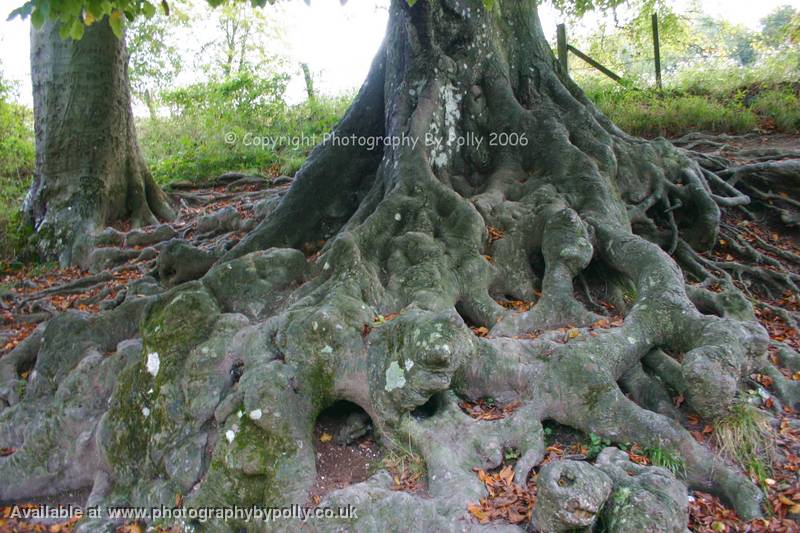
[[33, 294]]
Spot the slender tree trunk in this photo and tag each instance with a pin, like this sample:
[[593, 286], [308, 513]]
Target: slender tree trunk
[[89, 171], [309, 79], [150, 103]]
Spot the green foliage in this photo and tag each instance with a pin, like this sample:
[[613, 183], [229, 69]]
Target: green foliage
[[75, 15], [688, 42], [780, 26], [780, 106], [511, 454], [699, 105], [596, 445], [154, 61], [245, 39], [651, 114], [666, 459], [238, 123], [16, 170], [581, 7]]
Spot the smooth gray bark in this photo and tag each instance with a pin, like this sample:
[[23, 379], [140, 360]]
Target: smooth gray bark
[[89, 171]]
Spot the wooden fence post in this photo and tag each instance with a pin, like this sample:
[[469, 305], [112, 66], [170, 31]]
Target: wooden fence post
[[561, 35], [657, 51]]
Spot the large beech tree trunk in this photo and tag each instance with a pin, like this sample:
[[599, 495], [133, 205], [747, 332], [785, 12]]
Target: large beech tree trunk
[[569, 197], [89, 171]]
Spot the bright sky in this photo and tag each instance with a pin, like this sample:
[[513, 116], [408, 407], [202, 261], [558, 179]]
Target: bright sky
[[338, 42]]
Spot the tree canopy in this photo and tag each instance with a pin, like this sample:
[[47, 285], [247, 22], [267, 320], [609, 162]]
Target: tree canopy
[[75, 15]]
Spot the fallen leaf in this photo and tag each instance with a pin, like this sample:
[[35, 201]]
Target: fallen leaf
[[480, 331]]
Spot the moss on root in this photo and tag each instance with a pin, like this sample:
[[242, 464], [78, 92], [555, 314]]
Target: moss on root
[[243, 470], [138, 412]]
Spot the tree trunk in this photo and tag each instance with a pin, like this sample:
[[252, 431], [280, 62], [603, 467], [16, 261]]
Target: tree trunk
[[89, 171], [544, 190], [151, 104], [309, 79]]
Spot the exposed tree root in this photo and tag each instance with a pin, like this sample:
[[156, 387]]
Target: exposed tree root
[[217, 398]]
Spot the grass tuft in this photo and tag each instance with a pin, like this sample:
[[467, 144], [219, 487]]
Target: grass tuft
[[666, 459], [406, 465], [746, 437]]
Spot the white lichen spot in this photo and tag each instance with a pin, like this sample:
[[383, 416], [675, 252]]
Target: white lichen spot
[[327, 349], [395, 377], [315, 326], [631, 340], [446, 348], [255, 414], [145, 412], [153, 363], [398, 217], [230, 435], [409, 364], [326, 266]]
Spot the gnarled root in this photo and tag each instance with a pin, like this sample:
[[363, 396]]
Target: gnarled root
[[243, 361]]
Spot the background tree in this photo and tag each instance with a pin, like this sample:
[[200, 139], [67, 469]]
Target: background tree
[[89, 171], [777, 27], [244, 41], [154, 59]]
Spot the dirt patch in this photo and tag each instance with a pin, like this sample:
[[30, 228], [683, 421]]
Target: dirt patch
[[344, 455]]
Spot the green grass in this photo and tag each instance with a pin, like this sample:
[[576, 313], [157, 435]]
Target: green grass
[[666, 459], [671, 114], [746, 437], [781, 106], [658, 456], [720, 80], [220, 127], [716, 99]]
